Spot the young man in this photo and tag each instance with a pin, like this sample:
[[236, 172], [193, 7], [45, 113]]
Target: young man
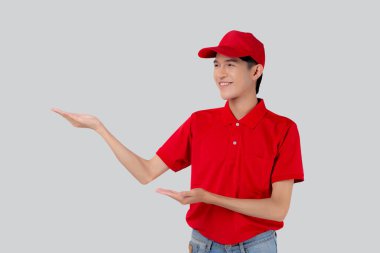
[[244, 158]]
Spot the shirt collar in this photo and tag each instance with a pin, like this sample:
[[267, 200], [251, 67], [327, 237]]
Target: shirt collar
[[251, 119]]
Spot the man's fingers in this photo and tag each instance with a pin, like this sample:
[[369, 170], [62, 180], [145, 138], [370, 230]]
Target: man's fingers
[[67, 115], [71, 117], [62, 113], [162, 190], [173, 194], [167, 192], [57, 110], [174, 197], [184, 197]]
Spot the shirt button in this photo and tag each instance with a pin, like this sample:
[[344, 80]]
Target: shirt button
[[234, 142], [237, 123]]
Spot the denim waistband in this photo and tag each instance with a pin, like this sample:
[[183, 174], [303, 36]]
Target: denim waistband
[[206, 243]]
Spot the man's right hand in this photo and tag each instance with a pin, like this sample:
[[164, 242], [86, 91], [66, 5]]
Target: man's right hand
[[143, 170], [80, 120]]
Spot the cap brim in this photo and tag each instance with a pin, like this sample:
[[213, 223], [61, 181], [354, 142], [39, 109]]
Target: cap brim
[[210, 52]]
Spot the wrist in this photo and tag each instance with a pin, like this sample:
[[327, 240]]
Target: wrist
[[208, 197], [100, 128]]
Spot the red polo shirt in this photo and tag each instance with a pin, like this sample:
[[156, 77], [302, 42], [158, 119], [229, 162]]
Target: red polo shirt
[[234, 158]]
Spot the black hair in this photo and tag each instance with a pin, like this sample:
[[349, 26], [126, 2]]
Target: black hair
[[251, 62]]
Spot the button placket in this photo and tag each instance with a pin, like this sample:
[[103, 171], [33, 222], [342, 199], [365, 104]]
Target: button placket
[[234, 142]]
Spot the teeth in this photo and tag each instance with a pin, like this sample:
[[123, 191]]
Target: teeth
[[224, 84]]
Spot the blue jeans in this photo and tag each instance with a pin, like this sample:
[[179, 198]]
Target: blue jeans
[[262, 243]]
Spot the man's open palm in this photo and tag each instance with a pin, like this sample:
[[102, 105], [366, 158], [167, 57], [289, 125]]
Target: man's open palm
[[186, 197], [79, 120]]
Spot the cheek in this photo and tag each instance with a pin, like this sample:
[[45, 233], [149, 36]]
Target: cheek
[[248, 80], [245, 78], [238, 77]]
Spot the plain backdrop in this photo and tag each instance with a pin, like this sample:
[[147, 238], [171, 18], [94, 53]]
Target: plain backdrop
[[134, 65]]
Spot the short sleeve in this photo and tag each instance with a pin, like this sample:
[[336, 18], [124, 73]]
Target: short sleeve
[[176, 151], [288, 161]]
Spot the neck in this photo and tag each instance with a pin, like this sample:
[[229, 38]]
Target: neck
[[242, 106]]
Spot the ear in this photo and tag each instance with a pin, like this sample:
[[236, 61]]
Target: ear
[[256, 71]]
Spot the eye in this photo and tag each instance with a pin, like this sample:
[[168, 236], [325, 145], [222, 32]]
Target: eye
[[230, 65]]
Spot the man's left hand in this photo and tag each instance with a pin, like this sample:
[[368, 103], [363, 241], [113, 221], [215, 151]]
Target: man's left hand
[[186, 197]]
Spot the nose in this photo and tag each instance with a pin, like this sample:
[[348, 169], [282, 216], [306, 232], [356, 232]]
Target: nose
[[221, 72]]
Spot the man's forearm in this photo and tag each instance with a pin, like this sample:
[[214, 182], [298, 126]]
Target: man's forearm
[[136, 165], [261, 208]]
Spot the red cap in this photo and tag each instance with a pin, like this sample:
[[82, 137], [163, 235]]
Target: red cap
[[237, 44]]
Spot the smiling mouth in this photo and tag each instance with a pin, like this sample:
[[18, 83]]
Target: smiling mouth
[[223, 84]]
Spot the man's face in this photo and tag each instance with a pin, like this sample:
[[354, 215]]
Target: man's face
[[233, 77]]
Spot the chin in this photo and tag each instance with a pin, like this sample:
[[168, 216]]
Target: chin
[[226, 96]]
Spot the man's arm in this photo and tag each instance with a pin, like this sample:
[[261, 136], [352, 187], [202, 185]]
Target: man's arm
[[274, 208], [143, 170]]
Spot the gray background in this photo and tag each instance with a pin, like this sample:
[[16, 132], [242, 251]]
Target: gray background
[[135, 66]]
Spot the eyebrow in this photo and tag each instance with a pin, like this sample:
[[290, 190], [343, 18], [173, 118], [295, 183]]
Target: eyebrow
[[228, 60]]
